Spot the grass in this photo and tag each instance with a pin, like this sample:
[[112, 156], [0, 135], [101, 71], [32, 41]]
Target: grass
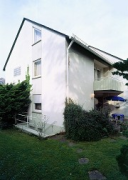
[[26, 157]]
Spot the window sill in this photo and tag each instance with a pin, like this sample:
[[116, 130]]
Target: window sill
[[36, 42], [36, 77]]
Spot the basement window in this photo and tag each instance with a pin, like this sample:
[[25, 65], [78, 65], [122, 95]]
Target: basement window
[[38, 106], [37, 102]]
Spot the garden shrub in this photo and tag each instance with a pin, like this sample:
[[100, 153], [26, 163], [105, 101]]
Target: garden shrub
[[122, 160], [125, 133], [123, 126], [82, 125], [14, 99]]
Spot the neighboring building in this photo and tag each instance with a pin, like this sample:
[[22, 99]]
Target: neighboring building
[[2, 81], [60, 67]]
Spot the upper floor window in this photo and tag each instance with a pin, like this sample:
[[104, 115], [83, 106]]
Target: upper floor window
[[17, 71], [97, 74], [37, 35], [37, 68]]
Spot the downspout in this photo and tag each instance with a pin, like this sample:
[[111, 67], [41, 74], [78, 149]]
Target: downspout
[[67, 66]]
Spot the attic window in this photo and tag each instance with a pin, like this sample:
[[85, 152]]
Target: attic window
[[37, 35]]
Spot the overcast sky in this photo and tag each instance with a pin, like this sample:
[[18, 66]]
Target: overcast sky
[[100, 23]]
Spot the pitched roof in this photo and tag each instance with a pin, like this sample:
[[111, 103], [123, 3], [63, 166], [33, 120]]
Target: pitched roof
[[38, 24], [106, 57], [111, 58]]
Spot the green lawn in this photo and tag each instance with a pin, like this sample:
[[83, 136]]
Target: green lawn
[[24, 157]]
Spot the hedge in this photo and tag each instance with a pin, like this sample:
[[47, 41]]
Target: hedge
[[86, 126]]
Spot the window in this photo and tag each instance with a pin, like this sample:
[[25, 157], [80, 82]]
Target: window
[[37, 67], [37, 106], [97, 74], [37, 35], [17, 71], [37, 102]]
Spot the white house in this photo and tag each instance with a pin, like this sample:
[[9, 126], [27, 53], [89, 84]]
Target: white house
[[60, 67]]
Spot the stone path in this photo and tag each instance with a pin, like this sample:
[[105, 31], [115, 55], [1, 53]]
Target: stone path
[[123, 137], [71, 144], [112, 140], [83, 161], [96, 175], [79, 150], [93, 175]]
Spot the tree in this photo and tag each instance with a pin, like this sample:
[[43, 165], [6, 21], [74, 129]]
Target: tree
[[122, 69], [14, 99], [122, 159]]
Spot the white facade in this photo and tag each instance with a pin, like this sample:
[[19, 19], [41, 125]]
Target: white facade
[[81, 76], [49, 88], [44, 51]]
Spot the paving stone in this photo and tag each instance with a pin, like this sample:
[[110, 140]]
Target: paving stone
[[112, 140], [123, 137], [83, 160], [71, 144], [63, 140], [79, 150], [96, 175]]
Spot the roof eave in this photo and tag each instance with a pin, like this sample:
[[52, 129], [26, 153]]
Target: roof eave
[[25, 19], [13, 44], [91, 51]]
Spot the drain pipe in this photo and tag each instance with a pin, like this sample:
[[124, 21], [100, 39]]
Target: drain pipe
[[67, 87]]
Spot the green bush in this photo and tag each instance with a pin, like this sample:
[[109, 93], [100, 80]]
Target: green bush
[[123, 126], [82, 125], [125, 133], [14, 99], [122, 160]]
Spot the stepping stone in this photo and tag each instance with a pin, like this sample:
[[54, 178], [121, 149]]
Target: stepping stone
[[112, 140], [79, 150], [83, 161], [71, 144], [63, 140], [123, 137], [96, 175]]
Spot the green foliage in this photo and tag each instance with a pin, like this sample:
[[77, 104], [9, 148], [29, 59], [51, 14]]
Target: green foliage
[[122, 69], [125, 133], [14, 99], [82, 125], [122, 160]]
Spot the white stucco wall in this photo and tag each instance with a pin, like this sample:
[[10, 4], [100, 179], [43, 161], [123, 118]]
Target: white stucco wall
[[21, 55], [52, 83], [81, 77], [53, 76]]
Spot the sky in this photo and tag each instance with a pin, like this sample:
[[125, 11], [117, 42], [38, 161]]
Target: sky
[[100, 23]]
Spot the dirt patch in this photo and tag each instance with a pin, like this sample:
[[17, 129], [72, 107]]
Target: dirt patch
[[59, 137]]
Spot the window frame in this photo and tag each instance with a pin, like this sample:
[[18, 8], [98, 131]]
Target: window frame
[[35, 74], [34, 35], [37, 100], [38, 109]]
